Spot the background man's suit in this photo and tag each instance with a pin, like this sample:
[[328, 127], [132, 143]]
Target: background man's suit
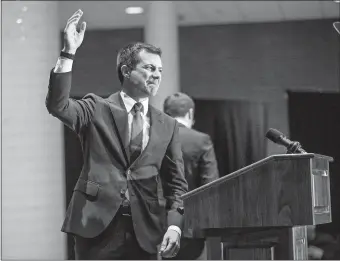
[[200, 168], [200, 163], [101, 125]]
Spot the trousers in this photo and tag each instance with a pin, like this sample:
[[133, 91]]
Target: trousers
[[118, 241]]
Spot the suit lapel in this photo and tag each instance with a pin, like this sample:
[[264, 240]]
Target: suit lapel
[[156, 128], [121, 122]]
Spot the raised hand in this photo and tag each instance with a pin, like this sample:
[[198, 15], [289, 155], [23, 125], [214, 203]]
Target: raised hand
[[73, 38]]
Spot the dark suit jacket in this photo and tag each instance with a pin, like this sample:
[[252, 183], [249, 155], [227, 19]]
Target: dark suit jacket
[[199, 160], [102, 127]]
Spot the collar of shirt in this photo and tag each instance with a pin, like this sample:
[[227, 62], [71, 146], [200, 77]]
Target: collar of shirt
[[129, 103], [183, 122]]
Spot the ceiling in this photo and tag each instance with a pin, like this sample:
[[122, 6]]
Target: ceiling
[[111, 14]]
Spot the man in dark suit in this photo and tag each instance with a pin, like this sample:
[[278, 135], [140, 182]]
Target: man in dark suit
[[128, 194], [199, 163]]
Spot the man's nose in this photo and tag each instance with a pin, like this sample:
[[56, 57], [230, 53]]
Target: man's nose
[[156, 75]]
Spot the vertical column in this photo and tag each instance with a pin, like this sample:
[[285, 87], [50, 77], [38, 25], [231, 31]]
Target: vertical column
[[161, 30], [33, 201]]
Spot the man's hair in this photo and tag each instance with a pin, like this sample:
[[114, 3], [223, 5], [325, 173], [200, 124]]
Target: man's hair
[[129, 56], [178, 104]]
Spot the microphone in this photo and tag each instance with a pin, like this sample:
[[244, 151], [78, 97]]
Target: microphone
[[277, 137]]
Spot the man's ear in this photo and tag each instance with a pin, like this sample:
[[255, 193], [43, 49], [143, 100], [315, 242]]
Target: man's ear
[[191, 114], [125, 71]]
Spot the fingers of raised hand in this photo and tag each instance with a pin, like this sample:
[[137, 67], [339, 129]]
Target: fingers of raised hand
[[82, 28], [78, 14], [73, 20]]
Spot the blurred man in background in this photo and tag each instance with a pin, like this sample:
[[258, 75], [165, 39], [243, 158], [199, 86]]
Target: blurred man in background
[[199, 163], [117, 209]]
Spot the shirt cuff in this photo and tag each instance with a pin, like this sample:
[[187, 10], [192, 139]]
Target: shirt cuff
[[63, 65], [176, 228]]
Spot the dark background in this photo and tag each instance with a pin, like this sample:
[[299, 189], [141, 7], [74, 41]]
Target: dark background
[[315, 123]]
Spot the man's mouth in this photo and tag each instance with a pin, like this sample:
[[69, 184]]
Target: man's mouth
[[151, 83]]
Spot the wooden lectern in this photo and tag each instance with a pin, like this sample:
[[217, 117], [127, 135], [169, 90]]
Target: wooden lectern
[[262, 211]]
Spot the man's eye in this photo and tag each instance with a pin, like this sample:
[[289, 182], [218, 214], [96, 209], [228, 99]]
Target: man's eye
[[149, 68]]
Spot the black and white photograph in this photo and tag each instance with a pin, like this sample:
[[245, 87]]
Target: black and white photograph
[[170, 130]]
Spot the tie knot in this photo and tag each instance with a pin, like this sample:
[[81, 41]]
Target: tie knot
[[138, 107]]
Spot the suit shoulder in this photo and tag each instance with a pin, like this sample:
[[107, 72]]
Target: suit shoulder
[[200, 135], [92, 96], [166, 117]]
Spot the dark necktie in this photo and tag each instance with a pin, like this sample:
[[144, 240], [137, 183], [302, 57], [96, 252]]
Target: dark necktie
[[136, 141]]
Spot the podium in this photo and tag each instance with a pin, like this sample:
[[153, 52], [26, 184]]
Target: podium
[[262, 210]]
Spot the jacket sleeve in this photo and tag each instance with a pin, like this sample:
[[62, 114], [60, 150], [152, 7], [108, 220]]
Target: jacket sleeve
[[174, 182], [207, 165], [74, 113]]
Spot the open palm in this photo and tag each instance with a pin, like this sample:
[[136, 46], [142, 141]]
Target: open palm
[[73, 38]]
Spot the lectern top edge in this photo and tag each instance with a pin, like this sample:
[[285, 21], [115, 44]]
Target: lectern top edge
[[254, 165]]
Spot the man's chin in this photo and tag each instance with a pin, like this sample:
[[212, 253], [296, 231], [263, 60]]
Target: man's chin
[[151, 91]]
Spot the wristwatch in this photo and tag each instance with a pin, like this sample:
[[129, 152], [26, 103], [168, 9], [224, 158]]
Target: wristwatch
[[67, 55]]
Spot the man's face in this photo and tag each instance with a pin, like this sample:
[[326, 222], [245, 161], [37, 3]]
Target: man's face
[[147, 74]]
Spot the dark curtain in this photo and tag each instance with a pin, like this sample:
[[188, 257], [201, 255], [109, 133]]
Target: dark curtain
[[237, 129], [314, 120]]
